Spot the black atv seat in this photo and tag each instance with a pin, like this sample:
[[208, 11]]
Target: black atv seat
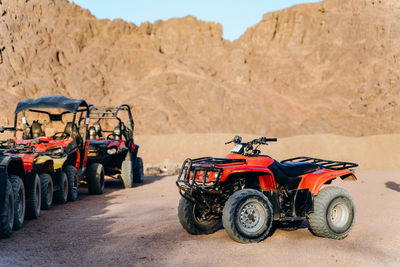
[[295, 169]]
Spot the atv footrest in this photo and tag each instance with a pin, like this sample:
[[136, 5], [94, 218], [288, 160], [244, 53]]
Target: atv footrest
[[327, 164]]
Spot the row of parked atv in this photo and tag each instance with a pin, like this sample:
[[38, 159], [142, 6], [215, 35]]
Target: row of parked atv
[[57, 144]]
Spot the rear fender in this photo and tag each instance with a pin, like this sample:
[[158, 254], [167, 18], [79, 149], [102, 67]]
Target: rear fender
[[315, 180]]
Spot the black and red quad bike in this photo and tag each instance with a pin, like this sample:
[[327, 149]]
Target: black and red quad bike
[[112, 143], [248, 192], [57, 127]]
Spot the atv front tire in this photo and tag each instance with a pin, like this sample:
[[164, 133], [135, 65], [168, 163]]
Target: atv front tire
[[7, 215], [334, 213], [137, 171], [189, 217], [73, 182], [47, 190], [19, 201], [61, 195], [33, 202], [247, 216], [95, 179], [132, 171]]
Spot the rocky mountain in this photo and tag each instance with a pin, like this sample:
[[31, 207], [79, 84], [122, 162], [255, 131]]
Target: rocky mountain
[[328, 67]]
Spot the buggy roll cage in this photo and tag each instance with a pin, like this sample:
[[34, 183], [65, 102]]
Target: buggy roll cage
[[52, 101], [111, 113]]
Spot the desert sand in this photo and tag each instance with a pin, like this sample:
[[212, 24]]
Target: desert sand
[[140, 227], [379, 152]]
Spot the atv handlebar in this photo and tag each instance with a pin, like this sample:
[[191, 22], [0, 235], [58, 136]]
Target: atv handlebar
[[262, 140], [237, 139]]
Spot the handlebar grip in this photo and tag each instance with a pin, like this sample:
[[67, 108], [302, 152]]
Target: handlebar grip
[[271, 139]]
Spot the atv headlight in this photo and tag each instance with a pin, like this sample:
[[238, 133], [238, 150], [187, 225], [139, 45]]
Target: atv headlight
[[112, 151], [216, 175], [55, 150]]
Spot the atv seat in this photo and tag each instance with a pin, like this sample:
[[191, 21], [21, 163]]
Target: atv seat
[[295, 169], [72, 130]]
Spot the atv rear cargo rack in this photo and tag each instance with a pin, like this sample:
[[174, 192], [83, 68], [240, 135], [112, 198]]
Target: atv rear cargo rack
[[327, 164], [188, 173]]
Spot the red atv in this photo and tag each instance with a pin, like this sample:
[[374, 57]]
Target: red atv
[[248, 191]]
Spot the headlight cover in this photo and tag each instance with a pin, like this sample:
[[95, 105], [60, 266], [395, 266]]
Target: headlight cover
[[112, 150]]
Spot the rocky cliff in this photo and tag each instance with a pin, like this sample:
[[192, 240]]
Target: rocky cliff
[[329, 67]]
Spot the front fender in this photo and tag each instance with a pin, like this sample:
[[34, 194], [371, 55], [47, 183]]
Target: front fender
[[315, 180], [265, 176]]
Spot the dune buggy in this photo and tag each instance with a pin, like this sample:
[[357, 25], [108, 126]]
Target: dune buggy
[[248, 191], [56, 126], [112, 143]]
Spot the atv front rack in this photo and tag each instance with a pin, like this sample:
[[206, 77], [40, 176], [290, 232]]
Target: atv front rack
[[327, 164], [12, 147], [198, 176]]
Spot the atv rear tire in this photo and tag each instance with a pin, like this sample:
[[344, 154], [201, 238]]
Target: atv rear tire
[[334, 213], [247, 216], [188, 216], [61, 195], [73, 182], [33, 202], [7, 215], [95, 179], [19, 201], [47, 190]]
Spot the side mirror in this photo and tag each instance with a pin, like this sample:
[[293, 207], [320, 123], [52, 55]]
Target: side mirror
[[237, 139]]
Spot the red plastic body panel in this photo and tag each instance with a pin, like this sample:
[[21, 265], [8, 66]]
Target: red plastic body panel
[[253, 164], [46, 142], [315, 180], [312, 181], [28, 159]]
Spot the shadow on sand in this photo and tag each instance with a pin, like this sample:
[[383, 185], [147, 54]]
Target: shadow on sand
[[117, 182], [392, 185]]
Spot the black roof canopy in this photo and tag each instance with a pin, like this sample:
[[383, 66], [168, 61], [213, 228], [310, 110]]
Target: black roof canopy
[[51, 101]]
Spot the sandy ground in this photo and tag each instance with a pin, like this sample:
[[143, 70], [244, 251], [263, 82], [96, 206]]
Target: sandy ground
[[139, 227]]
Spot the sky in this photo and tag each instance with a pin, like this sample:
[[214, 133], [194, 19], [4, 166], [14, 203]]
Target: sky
[[234, 15]]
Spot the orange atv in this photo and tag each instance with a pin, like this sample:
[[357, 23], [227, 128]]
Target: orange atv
[[248, 191], [57, 127]]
